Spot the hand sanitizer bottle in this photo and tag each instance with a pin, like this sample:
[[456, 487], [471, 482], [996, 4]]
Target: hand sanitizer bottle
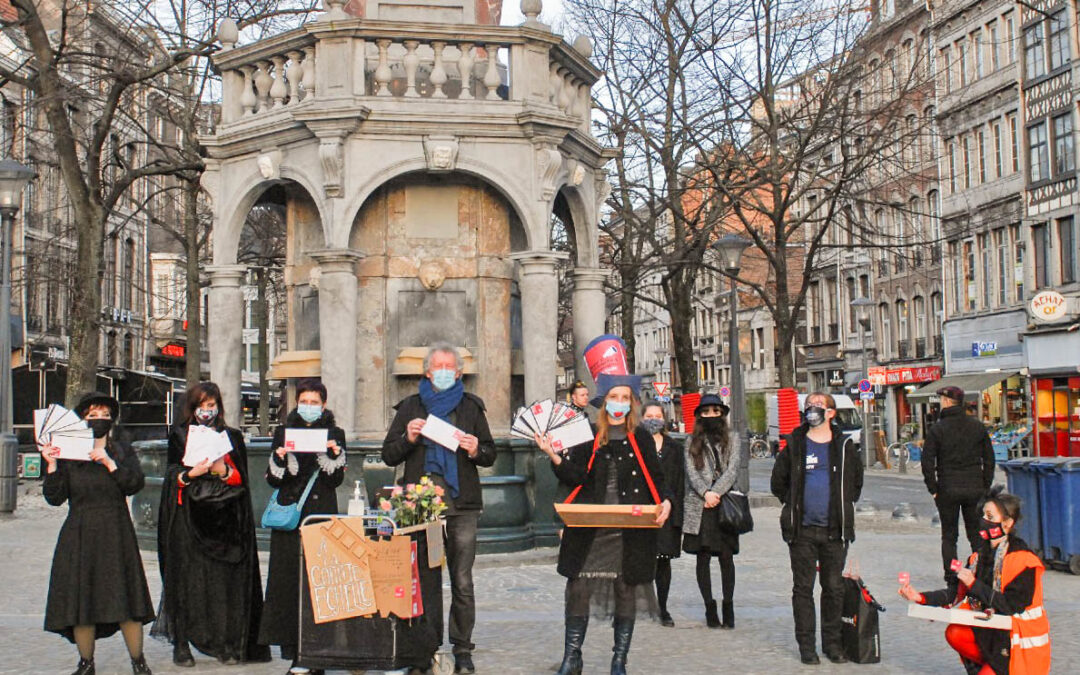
[[358, 502]]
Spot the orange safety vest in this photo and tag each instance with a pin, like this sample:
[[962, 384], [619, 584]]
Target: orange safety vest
[[1029, 653]]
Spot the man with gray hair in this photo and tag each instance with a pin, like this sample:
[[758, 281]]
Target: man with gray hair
[[443, 395]]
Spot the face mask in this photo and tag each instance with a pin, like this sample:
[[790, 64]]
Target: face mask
[[309, 413], [653, 425], [815, 416], [989, 530], [711, 425], [616, 409], [205, 416], [443, 378], [100, 427]]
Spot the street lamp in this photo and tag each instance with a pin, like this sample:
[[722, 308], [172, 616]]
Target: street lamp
[[730, 247], [862, 307], [13, 178]]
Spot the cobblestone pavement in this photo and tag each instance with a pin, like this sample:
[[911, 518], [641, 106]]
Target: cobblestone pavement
[[519, 622]]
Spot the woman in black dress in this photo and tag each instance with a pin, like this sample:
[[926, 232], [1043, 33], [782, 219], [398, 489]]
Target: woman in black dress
[[289, 473], [711, 468], [669, 539], [97, 585], [602, 564], [211, 593]]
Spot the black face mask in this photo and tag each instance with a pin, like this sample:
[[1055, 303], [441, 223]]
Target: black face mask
[[989, 530], [100, 427], [815, 416], [711, 425]]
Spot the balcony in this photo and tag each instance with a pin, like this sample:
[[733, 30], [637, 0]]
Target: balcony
[[903, 349], [920, 348]]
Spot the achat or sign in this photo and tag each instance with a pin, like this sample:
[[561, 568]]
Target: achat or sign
[[1049, 306]]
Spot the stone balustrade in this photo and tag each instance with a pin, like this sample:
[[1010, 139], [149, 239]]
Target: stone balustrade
[[392, 61]]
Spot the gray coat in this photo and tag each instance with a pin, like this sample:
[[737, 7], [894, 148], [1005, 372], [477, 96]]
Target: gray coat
[[710, 479]]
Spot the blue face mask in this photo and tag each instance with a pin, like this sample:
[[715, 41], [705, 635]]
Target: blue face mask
[[309, 413], [443, 378], [617, 410]]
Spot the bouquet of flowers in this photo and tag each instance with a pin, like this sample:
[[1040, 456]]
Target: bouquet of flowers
[[414, 504]]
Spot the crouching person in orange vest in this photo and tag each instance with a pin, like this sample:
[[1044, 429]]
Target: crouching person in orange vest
[[1004, 577]]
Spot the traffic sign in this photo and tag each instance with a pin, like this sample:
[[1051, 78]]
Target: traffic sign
[[661, 388], [866, 396], [865, 386], [725, 391]]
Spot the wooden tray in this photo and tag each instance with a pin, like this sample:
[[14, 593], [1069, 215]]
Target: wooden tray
[[608, 515], [966, 617]]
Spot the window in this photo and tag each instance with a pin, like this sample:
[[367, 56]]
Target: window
[[966, 145], [127, 283], [954, 257], [1014, 142], [1001, 244], [853, 314], [961, 61], [7, 128], [986, 268], [999, 166], [938, 309], [1067, 246], [1018, 261], [952, 165], [944, 60], [920, 318], [1034, 57], [1039, 161], [1059, 40], [1040, 242], [1064, 151], [1010, 39], [902, 327], [969, 275], [935, 225], [982, 156], [129, 352], [884, 331], [992, 44], [975, 44]]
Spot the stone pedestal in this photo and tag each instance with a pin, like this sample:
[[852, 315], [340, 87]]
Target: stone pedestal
[[337, 331], [225, 333], [589, 312], [539, 321]]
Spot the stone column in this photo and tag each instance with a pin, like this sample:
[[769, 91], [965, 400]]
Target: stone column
[[371, 354], [225, 335], [590, 310], [539, 320], [337, 331]]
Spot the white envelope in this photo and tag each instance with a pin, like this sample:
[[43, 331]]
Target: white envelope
[[205, 443], [541, 410], [306, 440], [443, 433], [74, 444], [569, 435], [40, 417]]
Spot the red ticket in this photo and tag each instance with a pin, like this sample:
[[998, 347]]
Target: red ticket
[[635, 510], [904, 578], [955, 565]]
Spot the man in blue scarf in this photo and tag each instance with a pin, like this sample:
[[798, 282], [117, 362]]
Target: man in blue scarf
[[442, 394]]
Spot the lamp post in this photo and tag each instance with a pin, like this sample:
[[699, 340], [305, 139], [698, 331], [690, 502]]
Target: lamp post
[[862, 306], [730, 247], [13, 178]]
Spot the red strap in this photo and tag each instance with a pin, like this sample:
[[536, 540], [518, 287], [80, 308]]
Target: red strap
[[641, 463]]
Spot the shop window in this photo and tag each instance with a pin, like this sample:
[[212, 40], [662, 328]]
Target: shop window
[[1057, 416]]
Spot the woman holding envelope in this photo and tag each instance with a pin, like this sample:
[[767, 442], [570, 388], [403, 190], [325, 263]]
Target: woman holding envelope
[[211, 588], [292, 465], [609, 569], [97, 585], [1005, 577]]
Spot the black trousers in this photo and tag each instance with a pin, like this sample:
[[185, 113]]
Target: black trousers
[[950, 507], [809, 551], [460, 556]]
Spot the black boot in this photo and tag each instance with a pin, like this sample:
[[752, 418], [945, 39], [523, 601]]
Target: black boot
[[624, 631], [575, 638], [181, 655], [728, 608], [86, 667], [712, 619], [139, 667]]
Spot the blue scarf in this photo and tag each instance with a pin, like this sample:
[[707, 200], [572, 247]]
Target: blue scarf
[[437, 459]]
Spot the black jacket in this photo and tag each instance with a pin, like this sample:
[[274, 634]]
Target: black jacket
[[957, 458], [290, 475], [845, 484], [469, 417], [639, 544]]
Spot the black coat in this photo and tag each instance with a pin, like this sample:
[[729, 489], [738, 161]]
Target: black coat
[[97, 573], [469, 417], [1013, 599], [639, 544], [211, 587], [957, 457], [845, 484], [280, 622], [669, 538]]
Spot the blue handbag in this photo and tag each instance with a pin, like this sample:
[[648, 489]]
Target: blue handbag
[[286, 518]]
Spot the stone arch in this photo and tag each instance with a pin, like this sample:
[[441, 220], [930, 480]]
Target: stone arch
[[584, 225]]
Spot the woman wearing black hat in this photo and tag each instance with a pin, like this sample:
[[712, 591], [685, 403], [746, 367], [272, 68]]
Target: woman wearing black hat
[[211, 588], [97, 585], [606, 565], [668, 539], [711, 467]]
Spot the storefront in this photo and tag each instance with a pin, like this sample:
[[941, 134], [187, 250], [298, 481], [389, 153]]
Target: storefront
[[1052, 349], [997, 398], [900, 411]]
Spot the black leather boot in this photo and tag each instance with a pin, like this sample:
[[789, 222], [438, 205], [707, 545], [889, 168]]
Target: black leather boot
[[624, 631], [181, 655], [139, 667], [728, 609], [712, 619], [85, 667], [575, 638]]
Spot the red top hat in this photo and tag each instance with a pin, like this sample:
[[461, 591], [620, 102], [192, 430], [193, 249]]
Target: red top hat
[[605, 358]]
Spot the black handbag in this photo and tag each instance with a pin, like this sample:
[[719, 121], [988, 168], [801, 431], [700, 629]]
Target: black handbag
[[859, 623], [734, 513], [213, 492]]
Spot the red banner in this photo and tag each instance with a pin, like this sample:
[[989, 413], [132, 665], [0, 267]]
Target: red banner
[[912, 375]]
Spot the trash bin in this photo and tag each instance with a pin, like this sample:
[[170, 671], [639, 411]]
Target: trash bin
[[1024, 483], [1059, 497]]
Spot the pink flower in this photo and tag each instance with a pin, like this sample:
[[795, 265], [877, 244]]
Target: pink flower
[[438, 500], [397, 491], [410, 504], [411, 487], [439, 491], [384, 505]]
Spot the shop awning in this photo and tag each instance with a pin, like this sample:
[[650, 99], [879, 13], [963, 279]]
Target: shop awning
[[973, 385]]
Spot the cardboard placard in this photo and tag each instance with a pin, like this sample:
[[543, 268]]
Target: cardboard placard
[[338, 571], [433, 531], [391, 574]]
